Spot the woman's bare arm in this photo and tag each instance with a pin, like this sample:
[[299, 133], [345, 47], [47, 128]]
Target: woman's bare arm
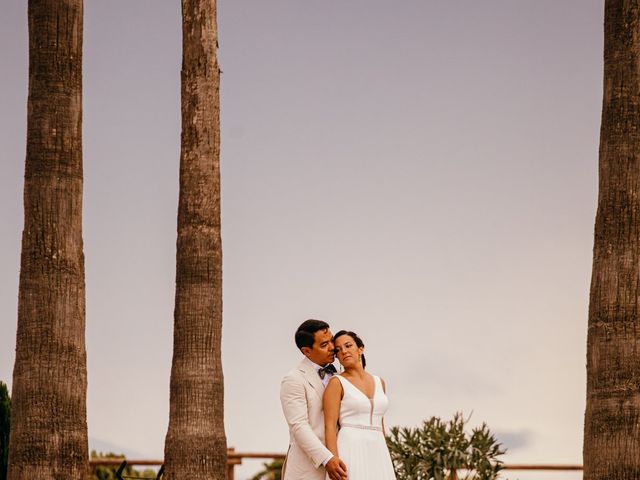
[[331, 407]]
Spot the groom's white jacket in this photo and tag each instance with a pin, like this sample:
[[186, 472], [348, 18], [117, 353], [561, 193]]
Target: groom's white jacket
[[301, 398]]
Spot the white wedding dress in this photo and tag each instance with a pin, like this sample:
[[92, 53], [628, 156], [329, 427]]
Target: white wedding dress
[[361, 443]]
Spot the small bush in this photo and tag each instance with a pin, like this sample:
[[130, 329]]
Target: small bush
[[103, 472], [5, 427], [441, 450], [271, 471]]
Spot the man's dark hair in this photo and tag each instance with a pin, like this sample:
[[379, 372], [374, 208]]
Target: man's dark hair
[[307, 331]]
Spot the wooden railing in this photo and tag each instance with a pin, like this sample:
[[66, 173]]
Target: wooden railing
[[543, 468], [235, 458]]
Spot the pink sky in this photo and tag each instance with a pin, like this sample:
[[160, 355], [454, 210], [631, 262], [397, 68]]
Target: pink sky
[[422, 172]]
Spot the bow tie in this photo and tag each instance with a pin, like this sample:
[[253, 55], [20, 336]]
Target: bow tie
[[325, 370]]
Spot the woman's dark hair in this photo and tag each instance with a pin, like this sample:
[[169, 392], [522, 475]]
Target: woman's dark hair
[[306, 332], [356, 338]]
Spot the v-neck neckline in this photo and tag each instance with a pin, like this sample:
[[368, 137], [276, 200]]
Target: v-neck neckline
[[375, 387]]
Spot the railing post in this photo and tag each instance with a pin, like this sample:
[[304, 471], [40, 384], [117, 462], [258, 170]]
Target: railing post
[[231, 463]]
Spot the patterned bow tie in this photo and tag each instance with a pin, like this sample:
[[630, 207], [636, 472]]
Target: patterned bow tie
[[325, 370]]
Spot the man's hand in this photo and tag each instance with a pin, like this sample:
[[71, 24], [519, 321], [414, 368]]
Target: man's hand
[[336, 469]]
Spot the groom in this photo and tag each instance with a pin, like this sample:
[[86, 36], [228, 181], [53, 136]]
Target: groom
[[301, 398]]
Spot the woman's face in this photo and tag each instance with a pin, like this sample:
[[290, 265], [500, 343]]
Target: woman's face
[[347, 351]]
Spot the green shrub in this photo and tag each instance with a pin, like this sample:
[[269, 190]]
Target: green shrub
[[5, 426], [103, 472], [440, 450], [271, 471]]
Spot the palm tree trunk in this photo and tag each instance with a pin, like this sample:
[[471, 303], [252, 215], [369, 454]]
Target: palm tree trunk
[[612, 417], [195, 445], [48, 421]]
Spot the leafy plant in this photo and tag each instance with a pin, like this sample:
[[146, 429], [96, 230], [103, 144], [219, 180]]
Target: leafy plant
[[271, 471], [440, 450], [5, 426], [102, 472]]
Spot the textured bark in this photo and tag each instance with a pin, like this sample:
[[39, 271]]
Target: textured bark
[[195, 445], [612, 417], [48, 423]]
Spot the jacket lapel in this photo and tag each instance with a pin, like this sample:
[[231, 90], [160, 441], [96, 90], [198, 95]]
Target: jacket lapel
[[308, 369]]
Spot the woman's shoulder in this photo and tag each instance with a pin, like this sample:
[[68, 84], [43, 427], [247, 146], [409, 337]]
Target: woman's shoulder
[[337, 379], [334, 386]]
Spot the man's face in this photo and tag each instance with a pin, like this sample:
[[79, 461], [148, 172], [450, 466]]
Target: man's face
[[322, 351]]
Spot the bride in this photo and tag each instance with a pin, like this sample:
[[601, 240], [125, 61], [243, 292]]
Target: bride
[[354, 404]]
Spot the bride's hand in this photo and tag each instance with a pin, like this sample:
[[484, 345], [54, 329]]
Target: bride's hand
[[336, 469]]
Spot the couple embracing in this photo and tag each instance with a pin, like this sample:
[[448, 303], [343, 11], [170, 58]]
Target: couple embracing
[[336, 428]]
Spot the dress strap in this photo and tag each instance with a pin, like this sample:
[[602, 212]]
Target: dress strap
[[378, 382]]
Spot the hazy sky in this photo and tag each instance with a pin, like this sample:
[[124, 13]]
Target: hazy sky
[[423, 172]]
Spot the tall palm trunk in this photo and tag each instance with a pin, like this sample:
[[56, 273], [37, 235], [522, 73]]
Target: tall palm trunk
[[195, 445], [612, 417], [48, 421]]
